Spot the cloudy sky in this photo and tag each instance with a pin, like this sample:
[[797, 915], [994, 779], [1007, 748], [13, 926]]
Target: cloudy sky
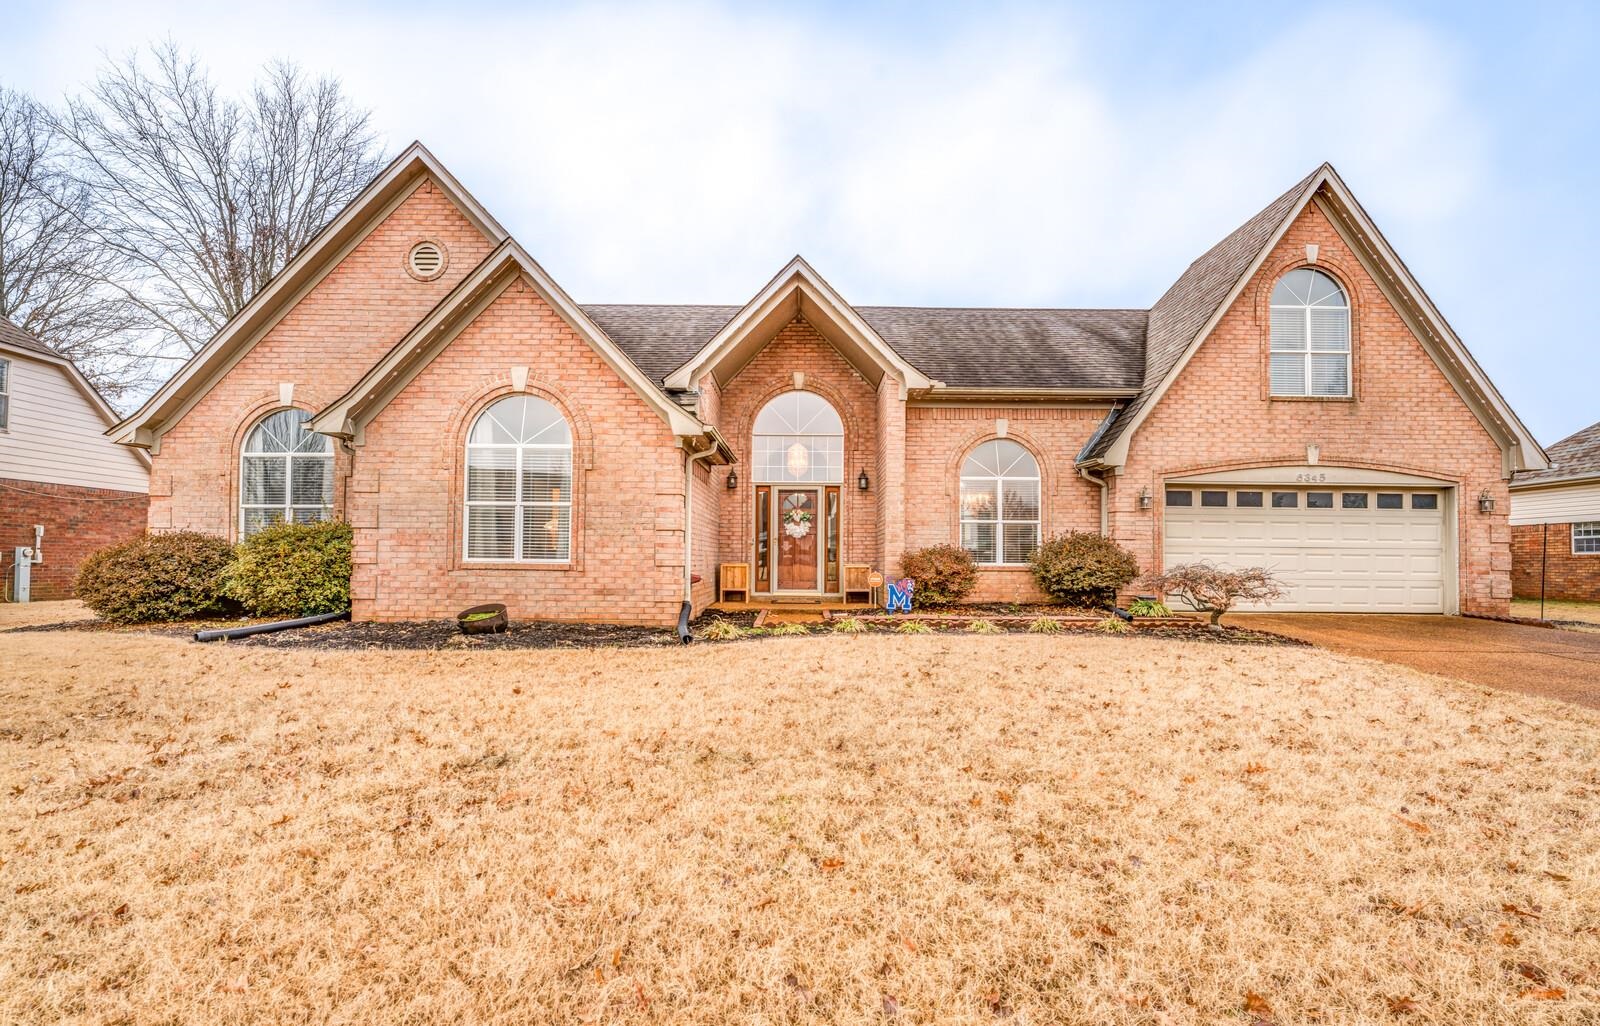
[[996, 154]]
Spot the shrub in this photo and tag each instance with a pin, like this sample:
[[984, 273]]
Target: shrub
[[1083, 568], [1148, 607], [787, 630], [1112, 625], [943, 574], [1045, 625], [850, 625], [156, 577], [983, 627], [721, 630], [1212, 589], [293, 570], [914, 627]]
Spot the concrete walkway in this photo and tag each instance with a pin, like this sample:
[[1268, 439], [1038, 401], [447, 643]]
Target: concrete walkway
[[1514, 657]]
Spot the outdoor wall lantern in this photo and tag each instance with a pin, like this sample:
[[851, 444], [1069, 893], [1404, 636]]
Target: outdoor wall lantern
[[862, 481], [1485, 502], [733, 480], [1144, 498]]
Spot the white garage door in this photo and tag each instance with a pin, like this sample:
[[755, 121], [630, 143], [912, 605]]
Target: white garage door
[[1338, 550]]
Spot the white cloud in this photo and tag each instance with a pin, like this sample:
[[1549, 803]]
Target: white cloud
[[683, 152]]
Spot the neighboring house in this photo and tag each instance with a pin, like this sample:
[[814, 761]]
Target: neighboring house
[[1293, 400], [58, 470], [1555, 523]]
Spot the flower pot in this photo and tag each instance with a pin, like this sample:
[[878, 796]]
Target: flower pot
[[489, 618]]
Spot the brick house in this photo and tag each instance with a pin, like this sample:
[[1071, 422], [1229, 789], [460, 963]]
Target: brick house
[[65, 488], [1555, 523], [1294, 399]]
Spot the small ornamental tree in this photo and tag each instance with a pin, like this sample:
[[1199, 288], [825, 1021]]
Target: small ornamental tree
[[1215, 590], [1083, 567], [943, 573]]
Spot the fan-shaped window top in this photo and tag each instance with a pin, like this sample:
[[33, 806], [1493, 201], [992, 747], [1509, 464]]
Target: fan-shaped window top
[[1000, 503], [799, 438], [519, 483], [1310, 336], [286, 473]]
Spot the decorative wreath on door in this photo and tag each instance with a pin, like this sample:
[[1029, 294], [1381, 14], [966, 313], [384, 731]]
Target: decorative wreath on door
[[797, 523]]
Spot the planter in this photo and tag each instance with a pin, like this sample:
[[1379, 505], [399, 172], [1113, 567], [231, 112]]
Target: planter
[[489, 618]]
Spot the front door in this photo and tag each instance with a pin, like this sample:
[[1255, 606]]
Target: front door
[[798, 527]]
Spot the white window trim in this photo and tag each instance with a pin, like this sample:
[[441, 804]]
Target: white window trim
[[1001, 520], [288, 506], [1591, 530], [1307, 353], [518, 504], [5, 396]]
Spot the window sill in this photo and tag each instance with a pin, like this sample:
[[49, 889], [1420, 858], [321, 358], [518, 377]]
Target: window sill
[[1005, 567], [514, 564], [1311, 398]]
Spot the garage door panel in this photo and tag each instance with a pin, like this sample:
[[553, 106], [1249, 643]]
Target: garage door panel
[[1339, 559]]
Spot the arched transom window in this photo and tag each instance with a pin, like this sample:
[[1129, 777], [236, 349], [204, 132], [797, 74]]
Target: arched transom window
[[799, 437], [1310, 335], [519, 483], [285, 473], [1000, 503]]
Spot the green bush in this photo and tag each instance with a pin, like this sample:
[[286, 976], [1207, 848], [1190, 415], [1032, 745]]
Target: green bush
[[156, 577], [293, 570], [943, 574], [1083, 567]]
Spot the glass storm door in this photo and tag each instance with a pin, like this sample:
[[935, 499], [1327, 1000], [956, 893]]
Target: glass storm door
[[797, 530]]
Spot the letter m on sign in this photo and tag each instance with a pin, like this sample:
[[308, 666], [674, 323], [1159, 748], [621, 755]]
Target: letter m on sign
[[899, 596]]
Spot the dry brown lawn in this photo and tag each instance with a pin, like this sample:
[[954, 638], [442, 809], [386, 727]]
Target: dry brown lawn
[[1558, 609], [938, 829]]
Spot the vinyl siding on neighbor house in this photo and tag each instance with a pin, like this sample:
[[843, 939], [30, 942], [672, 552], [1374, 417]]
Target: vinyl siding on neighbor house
[[54, 433], [1561, 504]]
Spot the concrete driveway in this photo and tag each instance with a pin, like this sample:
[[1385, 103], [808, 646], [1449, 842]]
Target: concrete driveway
[[1514, 657]]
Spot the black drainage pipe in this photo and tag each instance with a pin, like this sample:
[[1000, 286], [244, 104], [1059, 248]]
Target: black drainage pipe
[[229, 633], [683, 624]]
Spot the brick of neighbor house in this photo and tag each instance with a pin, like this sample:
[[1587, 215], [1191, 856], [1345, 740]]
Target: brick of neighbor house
[[395, 368], [1555, 517], [1557, 572]]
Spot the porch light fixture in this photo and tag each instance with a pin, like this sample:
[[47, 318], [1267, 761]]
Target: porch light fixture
[[798, 460], [733, 479], [862, 481], [1145, 499], [1485, 502]]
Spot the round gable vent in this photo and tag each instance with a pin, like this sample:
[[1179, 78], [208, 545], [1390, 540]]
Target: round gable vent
[[426, 260]]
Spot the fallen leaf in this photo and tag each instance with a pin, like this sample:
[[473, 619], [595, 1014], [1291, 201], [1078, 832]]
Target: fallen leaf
[[1511, 909], [1254, 767], [829, 865], [638, 988], [908, 944], [1401, 1005], [1506, 937], [1529, 971], [511, 798], [891, 1007], [1255, 1004], [1421, 828], [1543, 993], [1559, 877]]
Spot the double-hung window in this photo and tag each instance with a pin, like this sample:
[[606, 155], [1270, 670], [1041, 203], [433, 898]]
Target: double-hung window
[[1310, 336], [1000, 503], [5, 394], [1586, 538], [519, 483]]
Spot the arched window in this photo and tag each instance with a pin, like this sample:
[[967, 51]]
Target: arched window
[[799, 438], [519, 483], [1310, 335], [1000, 503], [286, 473]]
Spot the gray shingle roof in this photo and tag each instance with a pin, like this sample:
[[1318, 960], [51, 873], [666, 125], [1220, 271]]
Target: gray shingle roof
[[12, 335], [1180, 314], [962, 347], [1575, 456]]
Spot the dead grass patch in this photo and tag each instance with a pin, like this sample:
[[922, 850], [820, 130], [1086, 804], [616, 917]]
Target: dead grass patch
[[941, 829]]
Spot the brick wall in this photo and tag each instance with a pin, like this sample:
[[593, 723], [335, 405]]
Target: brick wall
[[76, 520], [799, 347], [938, 440], [1405, 416], [1567, 576], [322, 345], [405, 496]]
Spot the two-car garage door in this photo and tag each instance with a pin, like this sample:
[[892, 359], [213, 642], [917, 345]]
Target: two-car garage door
[[1358, 549]]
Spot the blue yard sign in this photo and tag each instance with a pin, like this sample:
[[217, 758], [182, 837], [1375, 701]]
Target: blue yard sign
[[900, 595]]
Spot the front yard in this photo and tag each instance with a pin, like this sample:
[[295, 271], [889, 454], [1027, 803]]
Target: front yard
[[941, 829]]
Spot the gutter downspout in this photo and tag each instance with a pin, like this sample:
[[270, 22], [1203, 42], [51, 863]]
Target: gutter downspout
[[1105, 517], [688, 539]]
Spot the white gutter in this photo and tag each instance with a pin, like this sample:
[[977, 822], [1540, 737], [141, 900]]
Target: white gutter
[[1105, 517], [688, 519]]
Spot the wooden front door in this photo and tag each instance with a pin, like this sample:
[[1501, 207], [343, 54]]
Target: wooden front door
[[798, 527]]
